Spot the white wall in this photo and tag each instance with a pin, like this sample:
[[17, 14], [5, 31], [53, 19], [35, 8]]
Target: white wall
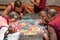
[[50, 2], [8, 1], [5, 1], [58, 2]]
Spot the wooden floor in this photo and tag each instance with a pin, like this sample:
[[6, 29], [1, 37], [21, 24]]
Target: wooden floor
[[51, 6]]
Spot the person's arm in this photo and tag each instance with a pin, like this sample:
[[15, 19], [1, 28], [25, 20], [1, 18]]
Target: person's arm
[[52, 33], [7, 10], [37, 2], [33, 2], [46, 36]]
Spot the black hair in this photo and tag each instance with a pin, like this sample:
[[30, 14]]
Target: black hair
[[53, 13], [17, 3], [13, 15]]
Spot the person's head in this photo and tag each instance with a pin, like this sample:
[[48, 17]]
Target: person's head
[[13, 16], [43, 14], [18, 6], [52, 13]]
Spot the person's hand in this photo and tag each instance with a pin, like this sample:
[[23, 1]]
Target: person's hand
[[21, 15], [46, 36], [37, 2]]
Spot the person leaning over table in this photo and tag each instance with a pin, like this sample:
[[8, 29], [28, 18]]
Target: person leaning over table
[[39, 5], [54, 24], [16, 6]]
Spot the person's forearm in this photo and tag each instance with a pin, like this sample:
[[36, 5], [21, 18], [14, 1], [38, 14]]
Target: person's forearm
[[32, 1], [52, 33], [46, 36], [4, 13]]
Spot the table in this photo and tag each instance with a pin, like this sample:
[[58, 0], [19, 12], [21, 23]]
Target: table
[[25, 31]]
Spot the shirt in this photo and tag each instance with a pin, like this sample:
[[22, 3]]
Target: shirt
[[12, 8], [55, 23], [40, 7], [3, 21]]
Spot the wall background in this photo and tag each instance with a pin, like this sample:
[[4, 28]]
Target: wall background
[[49, 2]]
